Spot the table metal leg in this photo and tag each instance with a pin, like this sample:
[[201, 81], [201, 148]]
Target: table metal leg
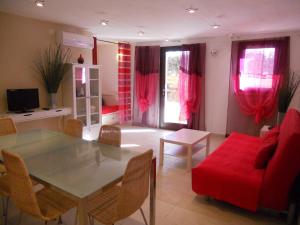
[[1, 211], [298, 214], [152, 191], [189, 157], [207, 147], [82, 213], [161, 153]]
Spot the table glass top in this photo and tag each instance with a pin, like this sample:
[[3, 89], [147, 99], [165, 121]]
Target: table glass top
[[71, 164]]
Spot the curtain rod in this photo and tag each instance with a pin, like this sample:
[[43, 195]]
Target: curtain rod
[[112, 42]]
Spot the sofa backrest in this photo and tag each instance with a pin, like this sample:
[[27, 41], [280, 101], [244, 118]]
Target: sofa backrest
[[284, 166]]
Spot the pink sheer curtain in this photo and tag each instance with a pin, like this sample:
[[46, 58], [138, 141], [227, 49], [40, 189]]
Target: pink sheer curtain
[[191, 85], [146, 86], [258, 67], [146, 102]]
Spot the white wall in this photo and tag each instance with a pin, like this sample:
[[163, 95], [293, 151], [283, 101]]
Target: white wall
[[217, 84], [107, 59], [22, 40], [295, 66], [218, 69]]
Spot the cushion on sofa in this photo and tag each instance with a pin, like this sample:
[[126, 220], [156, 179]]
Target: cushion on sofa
[[284, 166], [228, 173], [267, 148], [271, 133]]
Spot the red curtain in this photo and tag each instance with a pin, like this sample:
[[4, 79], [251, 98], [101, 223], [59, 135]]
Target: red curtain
[[147, 75], [191, 85], [258, 75], [146, 98]]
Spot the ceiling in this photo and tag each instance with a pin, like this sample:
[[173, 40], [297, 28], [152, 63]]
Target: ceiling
[[164, 19]]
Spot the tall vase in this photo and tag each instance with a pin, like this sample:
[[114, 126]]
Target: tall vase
[[52, 100], [280, 117]]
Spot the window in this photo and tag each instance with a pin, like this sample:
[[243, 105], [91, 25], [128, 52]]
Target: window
[[257, 68]]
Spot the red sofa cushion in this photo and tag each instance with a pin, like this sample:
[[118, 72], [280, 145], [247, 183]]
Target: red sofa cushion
[[264, 154], [267, 149], [228, 173], [270, 134], [284, 166]]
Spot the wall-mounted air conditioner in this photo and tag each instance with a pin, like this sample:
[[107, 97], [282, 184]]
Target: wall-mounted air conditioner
[[75, 40]]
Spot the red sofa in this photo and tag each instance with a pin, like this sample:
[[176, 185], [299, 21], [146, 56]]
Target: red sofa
[[228, 174]]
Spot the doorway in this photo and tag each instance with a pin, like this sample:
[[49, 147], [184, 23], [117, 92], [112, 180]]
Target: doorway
[[169, 97]]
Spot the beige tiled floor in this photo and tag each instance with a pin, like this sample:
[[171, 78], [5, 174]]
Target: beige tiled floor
[[176, 202]]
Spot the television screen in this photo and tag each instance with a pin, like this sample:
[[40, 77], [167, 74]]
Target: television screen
[[19, 100]]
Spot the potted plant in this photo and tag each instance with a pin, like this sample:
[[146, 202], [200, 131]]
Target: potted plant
[[52, 65], [286, 94]]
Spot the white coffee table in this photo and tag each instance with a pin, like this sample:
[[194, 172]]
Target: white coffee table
[[187, 138]]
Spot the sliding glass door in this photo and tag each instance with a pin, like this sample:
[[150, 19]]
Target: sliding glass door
[[169, 98]]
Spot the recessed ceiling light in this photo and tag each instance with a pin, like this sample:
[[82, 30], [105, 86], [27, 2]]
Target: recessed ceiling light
[[215, 26], [191, 10], [141, 33], [166, 40], [40, 3], [104, 22]]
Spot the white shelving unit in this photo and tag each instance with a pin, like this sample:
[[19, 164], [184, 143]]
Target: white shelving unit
[[82, 92]]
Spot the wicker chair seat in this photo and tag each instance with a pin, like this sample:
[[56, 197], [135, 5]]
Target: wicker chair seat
[[53, 204], [7, 126], [110, 135], [104, 206], [4, 186], [2, 169], [119, 202], [74, 128]]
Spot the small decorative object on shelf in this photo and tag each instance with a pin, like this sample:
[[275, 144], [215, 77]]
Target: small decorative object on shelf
[[265, 129], [82, 94], [80, 59], [93, 109]]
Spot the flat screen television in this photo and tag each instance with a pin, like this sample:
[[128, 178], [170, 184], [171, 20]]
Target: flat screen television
[[22, 100]]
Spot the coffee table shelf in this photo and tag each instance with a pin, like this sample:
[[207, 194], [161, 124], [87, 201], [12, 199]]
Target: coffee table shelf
[[181, 152]]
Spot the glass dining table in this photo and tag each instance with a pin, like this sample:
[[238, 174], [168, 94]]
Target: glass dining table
[[78, 168]]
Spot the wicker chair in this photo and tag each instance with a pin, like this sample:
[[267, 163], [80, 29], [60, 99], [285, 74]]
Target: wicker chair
[[4, 195], [74, 128], [120, 202], [110, 135], [45, 204], [7, 126]]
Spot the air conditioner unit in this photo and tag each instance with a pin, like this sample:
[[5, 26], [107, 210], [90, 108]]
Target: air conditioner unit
[[75, 40]]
